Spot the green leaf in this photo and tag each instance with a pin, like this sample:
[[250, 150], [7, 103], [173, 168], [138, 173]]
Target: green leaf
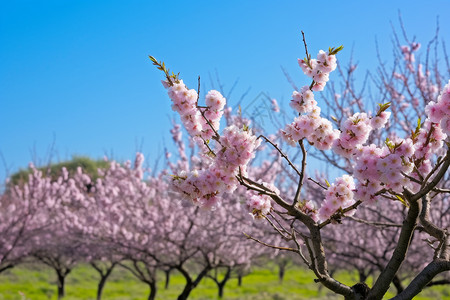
[[415, 133], [383, 107], [389, 143], [402, 200], [328, 184], [176, 177], [419, 125], [334, 51]]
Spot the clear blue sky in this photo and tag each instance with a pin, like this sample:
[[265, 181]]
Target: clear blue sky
[[77, 72]]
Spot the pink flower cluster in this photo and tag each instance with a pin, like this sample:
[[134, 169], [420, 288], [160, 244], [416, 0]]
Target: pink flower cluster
[[308, 208], [215, 103], [354, 132], [378, 168], [429, 141], [258, 205], [185, 103], [338, 195], [319, 69], [203, 187], [439, 112], [380, 120], [408, 51], [236, 119], [390, 167], [317, 130], [303, 101], [235, 149]]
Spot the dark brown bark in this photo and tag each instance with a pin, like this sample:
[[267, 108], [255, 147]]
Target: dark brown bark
[[104, 274], [4, 268], [423, 278], [221, 283], [61, 278], [167, 279], [281, 271], [191, 284], [153, 290], [398, 284], [386, 277]]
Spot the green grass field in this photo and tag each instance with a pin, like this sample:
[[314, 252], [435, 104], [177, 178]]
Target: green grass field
[[38, 282]]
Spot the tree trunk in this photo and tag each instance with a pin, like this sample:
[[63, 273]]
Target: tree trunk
[[101, 285], [186, 291], [103, 277], [191, 284], [221, 288], [153, 290], [281, 272], [104, 274], [61, 291], [221, 284], [166, 284]]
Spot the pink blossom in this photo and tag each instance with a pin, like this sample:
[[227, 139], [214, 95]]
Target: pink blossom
[[258, 205], [434, 112], [275, 106], [380, 120], [339, 195], [318, 86], [215, 100]]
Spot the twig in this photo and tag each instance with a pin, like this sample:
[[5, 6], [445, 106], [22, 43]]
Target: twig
[[281, 153], [306, 46], [277, 229], [198, 90], [382, 224], [294, 237], [318, 183], [268, 245], [302, 177], [339, 213], [202, 112], [439, 162], [438, 190], [276, 220]]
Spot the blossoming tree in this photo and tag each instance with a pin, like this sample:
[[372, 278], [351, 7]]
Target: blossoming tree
[[365, 242], [407, 170]]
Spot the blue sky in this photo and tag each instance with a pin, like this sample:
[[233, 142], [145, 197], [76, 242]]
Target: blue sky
[[76, 73]]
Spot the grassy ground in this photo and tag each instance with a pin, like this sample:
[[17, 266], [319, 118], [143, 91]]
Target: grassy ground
[[37, 282]]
